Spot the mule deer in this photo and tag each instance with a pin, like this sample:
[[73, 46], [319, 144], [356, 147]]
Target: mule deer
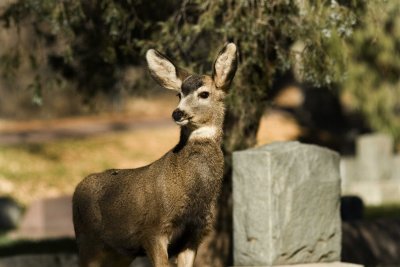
[[163, 209]]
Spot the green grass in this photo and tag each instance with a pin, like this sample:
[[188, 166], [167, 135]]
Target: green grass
[[3, 238], [383, 211]]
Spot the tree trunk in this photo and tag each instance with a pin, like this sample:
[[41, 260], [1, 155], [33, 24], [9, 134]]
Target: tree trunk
[[244, 112]]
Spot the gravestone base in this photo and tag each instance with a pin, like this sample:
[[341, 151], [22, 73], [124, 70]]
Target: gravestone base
[[320, 264], [374, 192]]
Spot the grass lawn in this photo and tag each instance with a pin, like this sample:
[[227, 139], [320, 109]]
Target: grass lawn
[[33, 171], [384, 211]]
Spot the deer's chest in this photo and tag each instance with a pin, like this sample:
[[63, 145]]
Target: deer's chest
[[202, 179], [194, 220]]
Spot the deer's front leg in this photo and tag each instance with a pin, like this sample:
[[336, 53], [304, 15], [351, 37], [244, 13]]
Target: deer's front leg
[[186, 258], [156, 249]]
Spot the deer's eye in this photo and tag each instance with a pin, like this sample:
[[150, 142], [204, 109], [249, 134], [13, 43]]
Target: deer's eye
[[204, 95], [179, 95]]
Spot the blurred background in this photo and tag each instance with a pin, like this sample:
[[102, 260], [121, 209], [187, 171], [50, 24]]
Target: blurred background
[[76, 98]]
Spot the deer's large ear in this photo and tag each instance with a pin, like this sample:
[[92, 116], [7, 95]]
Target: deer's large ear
[[225, 66], [164, 71]]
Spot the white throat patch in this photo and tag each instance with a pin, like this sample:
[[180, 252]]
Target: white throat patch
[[204, 132]]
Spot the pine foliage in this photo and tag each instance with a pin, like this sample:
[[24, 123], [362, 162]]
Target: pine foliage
[[373, 83]]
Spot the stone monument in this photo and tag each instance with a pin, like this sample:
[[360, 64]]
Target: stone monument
[[48, 218], [374, 173], [286, 201]]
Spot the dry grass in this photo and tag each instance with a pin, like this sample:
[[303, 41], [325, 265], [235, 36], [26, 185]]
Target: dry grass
[[32, 171]]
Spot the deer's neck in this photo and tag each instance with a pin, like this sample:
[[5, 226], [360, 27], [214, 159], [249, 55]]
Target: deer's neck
[[205, 133]]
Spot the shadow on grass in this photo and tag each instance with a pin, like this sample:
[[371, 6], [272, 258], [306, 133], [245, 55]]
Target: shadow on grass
[[47, 246]]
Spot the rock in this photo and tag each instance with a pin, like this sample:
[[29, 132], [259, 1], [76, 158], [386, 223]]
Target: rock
[[286, 199], [10, 213], [40, 260]]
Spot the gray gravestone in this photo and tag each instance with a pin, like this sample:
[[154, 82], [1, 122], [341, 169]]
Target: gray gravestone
[[50, 217], [286, 205], [374, 156], [374, 174], [396, 168]]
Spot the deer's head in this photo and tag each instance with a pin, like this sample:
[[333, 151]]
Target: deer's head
[[200, 96]]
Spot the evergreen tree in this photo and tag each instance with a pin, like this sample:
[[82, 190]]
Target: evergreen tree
[[373, 79], [100, 37], [90, 43]]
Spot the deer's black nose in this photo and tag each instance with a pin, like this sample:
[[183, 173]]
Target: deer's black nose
[[177, 114]]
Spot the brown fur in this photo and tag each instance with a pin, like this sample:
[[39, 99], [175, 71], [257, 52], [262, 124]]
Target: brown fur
[[163, 209]]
